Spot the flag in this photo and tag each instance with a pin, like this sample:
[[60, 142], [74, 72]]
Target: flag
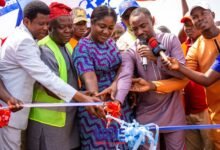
[[2, 3], [21, 5]]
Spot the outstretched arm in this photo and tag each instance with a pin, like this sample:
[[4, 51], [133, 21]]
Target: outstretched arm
[[182, 35], [112, 89], [185, 7], [125, 75], [161, 86], [204, 79]]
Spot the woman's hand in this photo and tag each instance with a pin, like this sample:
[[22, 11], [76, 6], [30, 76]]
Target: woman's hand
[[98, 111], [109, 92], [95, 110]]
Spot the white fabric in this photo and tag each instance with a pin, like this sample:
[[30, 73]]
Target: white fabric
[[126, 41], [21, 66], [10, 138]]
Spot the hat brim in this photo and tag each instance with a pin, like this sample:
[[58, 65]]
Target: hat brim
[[127, 9], [76, 20], [197, 6], [184, 19]]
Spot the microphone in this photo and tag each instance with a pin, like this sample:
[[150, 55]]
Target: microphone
[[143, 41], [157, 48]]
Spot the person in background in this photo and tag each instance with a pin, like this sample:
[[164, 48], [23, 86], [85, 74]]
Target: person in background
[[182, 35], [79, 28], [88, 28], [128, 38], [202, 54], [217, 23], [58, 128], [195, 97], [162, 109], [79, 25], [118, 31], [21, 66], [164, 29], [97, 61]]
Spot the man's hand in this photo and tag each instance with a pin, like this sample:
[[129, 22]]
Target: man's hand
[[145, 51], [14, 104], [95, 110], [140, 85], [108, 92], [98, 111], [171, 63]]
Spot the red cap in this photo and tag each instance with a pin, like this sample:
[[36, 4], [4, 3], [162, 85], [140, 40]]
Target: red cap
[[59, 9], [2, 3], [186, 18]]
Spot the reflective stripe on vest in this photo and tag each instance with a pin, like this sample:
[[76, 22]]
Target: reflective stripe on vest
[[53, 117]]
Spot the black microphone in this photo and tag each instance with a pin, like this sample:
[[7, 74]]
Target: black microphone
[[143, 41]]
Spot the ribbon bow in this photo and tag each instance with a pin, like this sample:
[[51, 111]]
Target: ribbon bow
[[112, 108], [135, 134], [4, 117]]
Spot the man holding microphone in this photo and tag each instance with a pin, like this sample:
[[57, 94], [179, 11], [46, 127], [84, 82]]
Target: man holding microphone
[[162, 109]]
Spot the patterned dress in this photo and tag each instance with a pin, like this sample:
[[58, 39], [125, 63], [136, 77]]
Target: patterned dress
[[104, 60]]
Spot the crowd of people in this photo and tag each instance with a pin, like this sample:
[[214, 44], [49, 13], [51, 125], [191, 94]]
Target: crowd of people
[[54, 57]]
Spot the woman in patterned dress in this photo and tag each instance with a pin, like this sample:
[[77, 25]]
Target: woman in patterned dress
[[97, 61]]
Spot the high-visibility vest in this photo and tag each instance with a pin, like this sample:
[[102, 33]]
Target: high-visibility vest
[[50, 116]]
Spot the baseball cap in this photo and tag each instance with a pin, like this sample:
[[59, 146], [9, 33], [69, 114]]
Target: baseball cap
[[126, 4], [186, 18], [78, 14], [201, 4]]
